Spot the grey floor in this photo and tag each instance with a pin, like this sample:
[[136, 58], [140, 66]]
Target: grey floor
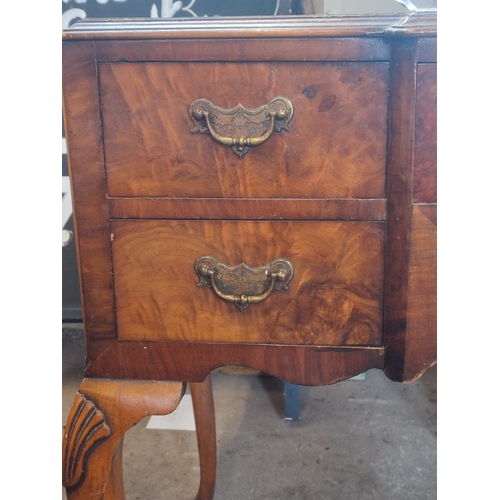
[[357, 440]]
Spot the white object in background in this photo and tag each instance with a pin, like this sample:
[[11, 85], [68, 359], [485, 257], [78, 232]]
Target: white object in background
[[181, 419], [408, 4], [168, 8], [188, 8], [67, 206], [71, 15]]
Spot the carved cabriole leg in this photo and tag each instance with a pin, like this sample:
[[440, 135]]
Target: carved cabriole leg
[[203, 405], [114, 487], [102, 412]]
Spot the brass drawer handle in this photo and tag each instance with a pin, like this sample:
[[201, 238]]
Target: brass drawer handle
[[243, 285], [241, 127]]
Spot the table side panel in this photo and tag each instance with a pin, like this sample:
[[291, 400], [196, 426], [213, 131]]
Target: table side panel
[[424, 170], [421, 336], [86, 165]]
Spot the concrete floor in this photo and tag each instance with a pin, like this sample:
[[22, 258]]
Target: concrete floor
[[357, 440]]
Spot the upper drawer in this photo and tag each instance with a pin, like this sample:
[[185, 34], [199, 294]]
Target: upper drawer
[[336, 146]]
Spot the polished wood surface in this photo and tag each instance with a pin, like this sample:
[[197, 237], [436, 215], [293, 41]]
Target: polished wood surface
[[102, 412], [260, 49], [424, 170], [86, 169], [166, 360], [421, 351], [399, 189], [408, 53], [348, 195], [335, 297], [418, 24], [248, 208], [411, 174], [204, 411], [151, 151]]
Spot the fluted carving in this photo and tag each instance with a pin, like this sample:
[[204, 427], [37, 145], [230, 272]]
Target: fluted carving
[[86, 428]]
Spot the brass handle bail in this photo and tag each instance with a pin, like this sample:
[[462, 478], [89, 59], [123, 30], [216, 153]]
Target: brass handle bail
[[243, 285], [240, 127]]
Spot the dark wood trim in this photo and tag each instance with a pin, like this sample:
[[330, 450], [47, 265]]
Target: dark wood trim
[[257, 49], [427, 50], [86, 166], [165, 361], [402, 105], [244, 208], [425, 161], [416, 24]]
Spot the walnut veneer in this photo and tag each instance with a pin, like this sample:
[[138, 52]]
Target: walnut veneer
[[343, 190]]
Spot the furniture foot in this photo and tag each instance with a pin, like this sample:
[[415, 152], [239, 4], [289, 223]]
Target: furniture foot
[[204, 415], [292, 401], [102, 412]]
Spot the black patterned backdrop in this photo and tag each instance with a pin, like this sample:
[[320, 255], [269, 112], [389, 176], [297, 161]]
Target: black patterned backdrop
[[79, 9]]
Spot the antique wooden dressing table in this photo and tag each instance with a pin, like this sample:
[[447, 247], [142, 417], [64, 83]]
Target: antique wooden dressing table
[[257, 192]]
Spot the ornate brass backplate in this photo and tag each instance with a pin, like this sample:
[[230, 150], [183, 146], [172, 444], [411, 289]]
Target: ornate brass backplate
[[241, 127], [243, 285]]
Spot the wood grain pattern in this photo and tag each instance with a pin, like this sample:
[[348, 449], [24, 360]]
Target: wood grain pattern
[[421, 348], [246, 208], [192, 362], [399, 197], [258, 49], [262, 49], [335, 297], [87, 428], [86, 168], [425, 163], [120, 404], [150, 150], [372, 42], [334, 196]]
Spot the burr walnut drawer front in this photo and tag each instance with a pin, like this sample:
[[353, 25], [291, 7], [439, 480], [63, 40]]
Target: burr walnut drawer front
[[297, 282], [303, 130]]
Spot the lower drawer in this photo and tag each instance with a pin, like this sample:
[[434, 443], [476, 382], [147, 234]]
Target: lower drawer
[[334, 297]]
